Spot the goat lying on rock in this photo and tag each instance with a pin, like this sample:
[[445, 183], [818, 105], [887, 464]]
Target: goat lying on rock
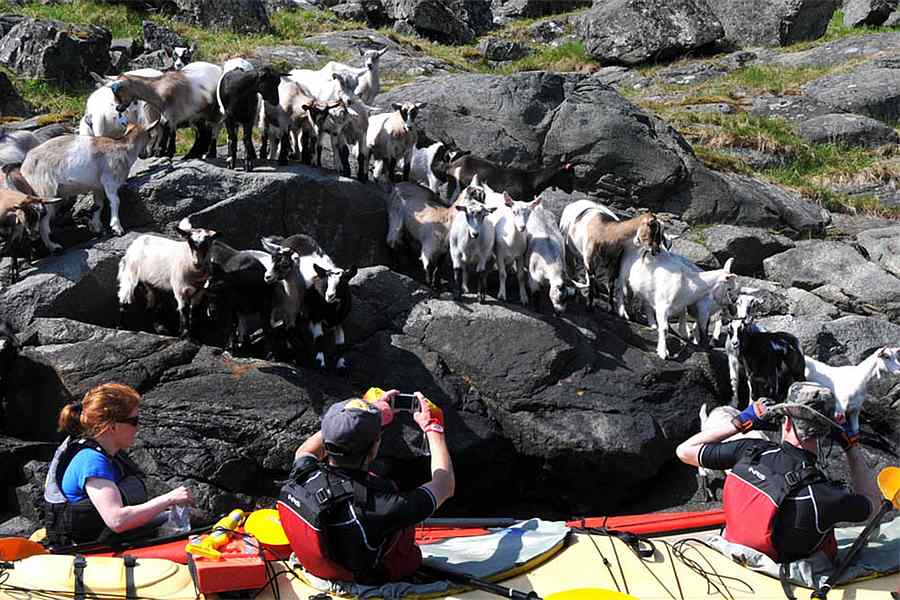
[[160, 263]]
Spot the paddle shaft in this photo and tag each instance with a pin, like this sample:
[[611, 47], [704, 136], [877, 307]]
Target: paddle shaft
[[481, 584], [855, 549]]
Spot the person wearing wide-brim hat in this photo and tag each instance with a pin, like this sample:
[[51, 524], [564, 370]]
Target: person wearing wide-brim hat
[[776, 500], [345, 523]]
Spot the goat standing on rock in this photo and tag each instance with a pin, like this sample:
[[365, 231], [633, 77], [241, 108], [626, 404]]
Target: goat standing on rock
[[393, 136], [772, 361], [75, 164], [239, 91], [471, 240], [328, 304], [159, 263]]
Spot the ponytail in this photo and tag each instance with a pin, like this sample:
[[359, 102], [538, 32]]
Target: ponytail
[[70, 419], [102, 405]]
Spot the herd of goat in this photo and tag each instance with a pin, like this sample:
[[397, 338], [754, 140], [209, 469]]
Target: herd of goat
[[490, 217]]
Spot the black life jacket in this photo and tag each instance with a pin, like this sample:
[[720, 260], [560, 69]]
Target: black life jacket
[[80, 522], [308, 504]]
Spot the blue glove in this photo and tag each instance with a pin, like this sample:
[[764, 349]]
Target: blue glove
[[846, 436], [752, 417]]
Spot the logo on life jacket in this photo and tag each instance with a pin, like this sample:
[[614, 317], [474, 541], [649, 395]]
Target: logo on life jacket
[[757, 473]]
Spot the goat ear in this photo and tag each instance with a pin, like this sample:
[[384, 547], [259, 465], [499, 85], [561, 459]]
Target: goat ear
[[352, 271], [507, 199], [728, 263], [320, 271], [537, 202], [396, 106], [269, 245], [361, 51], [459, 206], [185, 234], [420, 105], [382, 51]]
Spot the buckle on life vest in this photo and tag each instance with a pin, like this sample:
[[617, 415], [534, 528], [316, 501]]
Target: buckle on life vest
[[792, 478], [323, 495]]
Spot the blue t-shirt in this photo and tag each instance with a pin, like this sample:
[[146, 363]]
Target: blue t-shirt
[[86, 464]]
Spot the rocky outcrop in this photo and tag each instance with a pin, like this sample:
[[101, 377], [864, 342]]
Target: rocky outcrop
[[871, 89], [444, 21], [847, 129], [346, 217], [158, 37], [239, 16], [883, 246], [859, 13], [748, 246], [56, 51], [631, 32], [815, 264], [773, 22], [500, 49], [529, 119], [534, 8]]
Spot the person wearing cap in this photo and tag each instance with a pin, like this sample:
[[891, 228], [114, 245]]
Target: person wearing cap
[[776, 500], [345, 523], [94, 491]]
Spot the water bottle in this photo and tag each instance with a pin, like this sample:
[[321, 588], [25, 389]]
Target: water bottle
[[179, 521]]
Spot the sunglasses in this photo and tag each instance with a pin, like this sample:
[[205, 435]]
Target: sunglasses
[[133, 421]]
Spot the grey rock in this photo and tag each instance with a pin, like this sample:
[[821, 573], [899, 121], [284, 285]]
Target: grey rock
[[534, 118], [239, 16], [347, 218], [351, 11], [840, 51], [545, 31], [620, 77], [696, 253], [534, 8], [893, 19], [692, 73], [159, 37], [807, 304], [858, 13], [631, 32], [499, 49], [871, 89], [853, 225], [816, 263], [773, 22], [747, 245], [299, 57], [7, 22], [444, 21], [56, 51], [14, 455], [734, 199], [78, 284], [18, 527], [847, 129], [792, 108], [158, 59], [11, 103], [883, 246]]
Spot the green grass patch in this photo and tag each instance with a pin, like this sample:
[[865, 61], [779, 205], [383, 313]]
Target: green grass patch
[[568, 56], [119, 20], [51, 97], [719, 160], [836, 31]]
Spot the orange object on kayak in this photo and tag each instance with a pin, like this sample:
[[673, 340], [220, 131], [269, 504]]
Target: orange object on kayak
[[240, 567]]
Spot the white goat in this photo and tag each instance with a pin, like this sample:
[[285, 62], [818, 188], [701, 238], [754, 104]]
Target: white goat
[[181, 267], [290, 116], [717, 417], [101, 119], [182, 97], [74, 164], [849, 383], [667, 286], [471, 240], [368, 77], [326, 86], [743, 310], [510, 239], [546, 259], [393, 136]]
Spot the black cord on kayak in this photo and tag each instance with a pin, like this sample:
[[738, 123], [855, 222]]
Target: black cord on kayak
[[690, 543], [605, 562]]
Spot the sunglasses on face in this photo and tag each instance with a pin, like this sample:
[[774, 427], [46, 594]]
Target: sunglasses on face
[[133, 421]]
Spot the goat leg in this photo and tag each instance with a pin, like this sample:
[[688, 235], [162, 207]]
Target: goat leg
[[305, 151], [340, 347], [457, 283], [344, 154], [13, 269], [318, 343], [362, 167], [249, 152], [285, 150], [231, 128], [482, 284], [264, 141]]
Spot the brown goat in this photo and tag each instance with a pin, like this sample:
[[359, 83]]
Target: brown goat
[[20, 224], [594, 233]]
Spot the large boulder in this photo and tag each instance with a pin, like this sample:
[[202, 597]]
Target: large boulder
[[534, 8], [529, 119], [773, 22], [883, 246], [749, 246], [714, 197], [11, 103], [872, 89], [238, 16], [858, 13], [444, 21], [812, 264], [159, 37], [56, 51], [631, 32], [848, 130], [346, 217]]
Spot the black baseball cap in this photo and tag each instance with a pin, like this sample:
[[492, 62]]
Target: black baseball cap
[[349, 428]]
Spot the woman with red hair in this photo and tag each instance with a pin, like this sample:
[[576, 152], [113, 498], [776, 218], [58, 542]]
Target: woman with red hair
[[96, 493]]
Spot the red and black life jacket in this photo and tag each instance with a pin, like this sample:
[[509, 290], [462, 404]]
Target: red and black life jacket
[[754, 493], [307, 505]]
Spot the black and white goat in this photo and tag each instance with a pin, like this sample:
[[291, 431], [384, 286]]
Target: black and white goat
[[772, 361], [328, 303]]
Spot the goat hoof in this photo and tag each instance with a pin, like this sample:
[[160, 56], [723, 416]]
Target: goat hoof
[[248, 166]]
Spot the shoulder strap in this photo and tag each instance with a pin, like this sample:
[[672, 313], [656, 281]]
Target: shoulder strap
[[74, 447]]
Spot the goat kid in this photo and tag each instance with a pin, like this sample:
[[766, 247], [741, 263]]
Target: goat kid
[[392, 136], [289, 118], [239, 92], [72, 164], [511, 239], [328, 303], [160, 263], [546, 260], [22, 222], [368, 77], [849, 383], [772, 361]]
